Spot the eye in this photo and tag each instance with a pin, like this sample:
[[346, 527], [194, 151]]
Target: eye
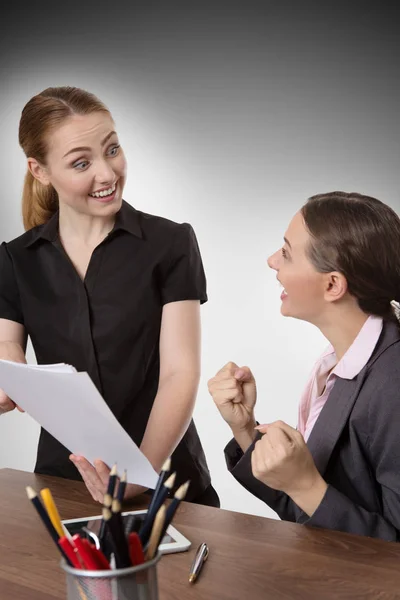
[[114, 150], [284, 253], [80, 166]]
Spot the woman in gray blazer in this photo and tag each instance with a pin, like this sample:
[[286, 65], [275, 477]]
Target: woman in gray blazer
[[340, 469]]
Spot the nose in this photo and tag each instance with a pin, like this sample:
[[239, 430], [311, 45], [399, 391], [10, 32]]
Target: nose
[[273, 261], [104, 173]]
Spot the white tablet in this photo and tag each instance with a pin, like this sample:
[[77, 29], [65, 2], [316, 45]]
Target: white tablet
[[173, 541]]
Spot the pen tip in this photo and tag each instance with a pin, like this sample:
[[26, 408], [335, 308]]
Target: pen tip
[[114, 470], [192, 578]]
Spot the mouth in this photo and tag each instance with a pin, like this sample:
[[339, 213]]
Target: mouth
[[284, 294], [105, 195]]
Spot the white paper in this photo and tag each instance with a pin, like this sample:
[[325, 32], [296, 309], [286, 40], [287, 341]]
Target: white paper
[[68, 405]]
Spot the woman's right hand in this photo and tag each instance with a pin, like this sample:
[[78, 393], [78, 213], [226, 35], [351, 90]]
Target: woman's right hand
[[6, 404], [234, 392]]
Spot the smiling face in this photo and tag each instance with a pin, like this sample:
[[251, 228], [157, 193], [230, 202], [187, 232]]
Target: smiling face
[[85, 164], [306, 291]]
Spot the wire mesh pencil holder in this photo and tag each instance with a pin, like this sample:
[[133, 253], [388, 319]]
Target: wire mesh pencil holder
[[134, 583]]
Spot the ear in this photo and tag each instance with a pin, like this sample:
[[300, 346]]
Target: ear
[[38, 171], [335, 286]]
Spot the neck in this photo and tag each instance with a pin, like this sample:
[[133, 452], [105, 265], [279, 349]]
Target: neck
[[343, 328], [86, 229]]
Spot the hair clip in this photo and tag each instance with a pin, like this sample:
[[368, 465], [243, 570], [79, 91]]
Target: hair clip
[[396, 309]]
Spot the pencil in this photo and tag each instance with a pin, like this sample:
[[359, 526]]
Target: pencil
[[121, 488], [156, 533], [112, 480], [52, 511], [146, 528], [118, 539], [107, 502], [173, 506], [34, 498], [163, 475]]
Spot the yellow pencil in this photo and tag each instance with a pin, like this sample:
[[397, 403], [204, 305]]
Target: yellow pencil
[[52, 510]]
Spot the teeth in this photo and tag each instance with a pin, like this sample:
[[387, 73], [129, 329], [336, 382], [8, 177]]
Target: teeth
[[104, 192]]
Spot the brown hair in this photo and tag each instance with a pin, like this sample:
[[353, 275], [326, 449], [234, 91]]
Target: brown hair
[[41, 115], [358, 236]]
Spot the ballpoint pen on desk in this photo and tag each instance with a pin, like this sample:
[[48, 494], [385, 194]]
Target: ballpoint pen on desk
[[198, 562]]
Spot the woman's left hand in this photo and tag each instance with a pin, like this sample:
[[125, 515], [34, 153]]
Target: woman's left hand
[[282, 460], [96, 478]]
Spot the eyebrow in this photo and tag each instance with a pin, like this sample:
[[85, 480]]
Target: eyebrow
[[86, 148], [287, 242]]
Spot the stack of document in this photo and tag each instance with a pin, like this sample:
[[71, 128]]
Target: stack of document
[[69, 406]]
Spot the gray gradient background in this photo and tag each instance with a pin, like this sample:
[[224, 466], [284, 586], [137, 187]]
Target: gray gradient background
[[231, 115]]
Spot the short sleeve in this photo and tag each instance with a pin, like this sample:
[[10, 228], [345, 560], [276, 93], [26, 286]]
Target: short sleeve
[[10, 304], [183, 276]]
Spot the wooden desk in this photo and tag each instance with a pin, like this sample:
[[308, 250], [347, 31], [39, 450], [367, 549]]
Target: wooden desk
[[251, 557]]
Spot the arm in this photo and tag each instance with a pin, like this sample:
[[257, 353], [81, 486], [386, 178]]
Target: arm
[[13, 335], [179, 379], [239, 465], [382, 447], [12, 347], [13, 340], [173, 405]]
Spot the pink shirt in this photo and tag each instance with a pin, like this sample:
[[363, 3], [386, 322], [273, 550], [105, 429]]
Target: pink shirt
[[356, 357]]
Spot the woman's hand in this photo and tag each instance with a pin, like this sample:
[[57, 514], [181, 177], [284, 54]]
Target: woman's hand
[[96, 479], [282, 460], [234, 392]]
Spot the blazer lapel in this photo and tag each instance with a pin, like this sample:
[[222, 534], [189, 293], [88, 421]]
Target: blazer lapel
[[333, 418], [337, 409]]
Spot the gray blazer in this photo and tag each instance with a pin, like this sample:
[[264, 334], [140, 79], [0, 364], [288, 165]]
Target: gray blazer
[[355, 444]]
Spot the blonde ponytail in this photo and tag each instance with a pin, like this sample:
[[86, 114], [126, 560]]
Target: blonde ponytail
[[39, 202]]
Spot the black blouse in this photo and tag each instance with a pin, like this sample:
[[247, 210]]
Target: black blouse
[[109, 324]]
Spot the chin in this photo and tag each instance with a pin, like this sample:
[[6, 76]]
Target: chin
[[284, 311]]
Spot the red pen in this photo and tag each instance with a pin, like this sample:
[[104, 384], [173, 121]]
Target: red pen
[[70, 552], [85, 553], [135, 549], [101, 560]]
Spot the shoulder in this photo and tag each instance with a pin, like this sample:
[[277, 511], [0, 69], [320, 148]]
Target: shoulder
[[382, 373], [165, 234], [23, 241], [385, 359], [157, 225]]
